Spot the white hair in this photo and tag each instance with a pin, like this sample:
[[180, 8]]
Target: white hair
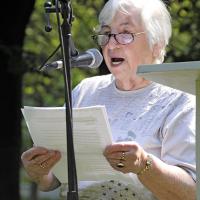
[[154, 15]]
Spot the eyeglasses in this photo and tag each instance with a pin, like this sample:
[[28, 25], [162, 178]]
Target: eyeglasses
[[121, 38]]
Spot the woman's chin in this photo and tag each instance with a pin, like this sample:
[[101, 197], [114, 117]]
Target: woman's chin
[[116, 72]]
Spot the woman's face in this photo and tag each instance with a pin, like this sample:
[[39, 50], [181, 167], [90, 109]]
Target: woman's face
[[123, 60]]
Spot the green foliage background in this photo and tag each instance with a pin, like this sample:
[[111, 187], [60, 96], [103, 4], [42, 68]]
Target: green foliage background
[[185, 42], [42, 89]]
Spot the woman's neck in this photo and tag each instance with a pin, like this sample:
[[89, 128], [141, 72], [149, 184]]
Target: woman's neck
[[133, 84]]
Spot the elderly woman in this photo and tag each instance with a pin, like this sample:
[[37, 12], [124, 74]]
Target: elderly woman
[[153, 125]]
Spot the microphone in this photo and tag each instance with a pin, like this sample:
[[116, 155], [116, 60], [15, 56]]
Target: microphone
[[92, 58]]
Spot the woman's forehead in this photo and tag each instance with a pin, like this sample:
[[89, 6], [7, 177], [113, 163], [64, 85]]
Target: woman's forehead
[[123, 20]]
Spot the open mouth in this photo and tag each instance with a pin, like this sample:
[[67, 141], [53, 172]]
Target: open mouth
[[117, 61]]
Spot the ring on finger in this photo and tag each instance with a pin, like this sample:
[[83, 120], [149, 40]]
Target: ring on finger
[[43, 165], [122, 156], [120, 165]]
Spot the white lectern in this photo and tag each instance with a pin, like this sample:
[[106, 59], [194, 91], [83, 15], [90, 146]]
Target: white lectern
[[184, 76]]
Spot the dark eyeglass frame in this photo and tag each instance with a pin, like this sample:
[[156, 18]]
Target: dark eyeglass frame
[[109, 35]]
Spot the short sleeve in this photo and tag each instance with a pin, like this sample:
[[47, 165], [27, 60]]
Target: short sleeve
[[78, 93], [75, 94], [178, 143]]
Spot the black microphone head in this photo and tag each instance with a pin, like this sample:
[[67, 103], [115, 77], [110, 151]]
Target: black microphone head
[[97, 58]]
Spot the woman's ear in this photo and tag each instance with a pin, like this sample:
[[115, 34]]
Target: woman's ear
[[156, 50]]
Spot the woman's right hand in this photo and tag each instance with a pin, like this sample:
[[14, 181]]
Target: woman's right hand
[[38, 162]]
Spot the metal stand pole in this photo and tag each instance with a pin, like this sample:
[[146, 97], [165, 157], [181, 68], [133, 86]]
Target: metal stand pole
[[63, 8]]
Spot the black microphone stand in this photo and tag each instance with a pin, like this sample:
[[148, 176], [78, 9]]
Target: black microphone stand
[[64, 7]]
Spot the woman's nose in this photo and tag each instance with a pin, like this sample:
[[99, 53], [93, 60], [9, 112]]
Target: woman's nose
[[112, 43]]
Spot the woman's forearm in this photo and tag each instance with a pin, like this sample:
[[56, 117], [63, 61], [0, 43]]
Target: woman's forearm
[[168, 182]]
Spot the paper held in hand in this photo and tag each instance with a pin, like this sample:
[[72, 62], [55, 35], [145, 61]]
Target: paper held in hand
[[91, 133]]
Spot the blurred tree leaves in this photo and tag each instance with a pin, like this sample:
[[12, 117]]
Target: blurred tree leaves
[[42, 89], [185, 42]]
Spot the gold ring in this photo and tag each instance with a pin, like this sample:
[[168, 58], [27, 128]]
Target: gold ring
[[120, 165], [43, 165], [123, 156]]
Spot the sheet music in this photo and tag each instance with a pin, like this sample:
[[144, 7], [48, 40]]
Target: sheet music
[[91, 134]]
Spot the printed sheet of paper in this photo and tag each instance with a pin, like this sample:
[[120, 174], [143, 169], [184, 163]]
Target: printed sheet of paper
[[91, 133]]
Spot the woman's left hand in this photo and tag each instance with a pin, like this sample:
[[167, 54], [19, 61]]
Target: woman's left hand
[[126, 157]]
